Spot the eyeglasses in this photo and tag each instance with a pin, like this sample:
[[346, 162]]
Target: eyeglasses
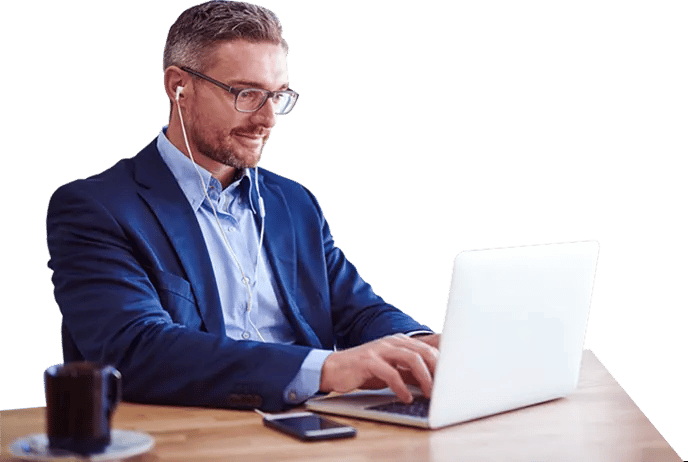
[[252, 99]]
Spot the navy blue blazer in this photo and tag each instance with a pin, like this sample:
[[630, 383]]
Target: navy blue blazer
[[136, 289]]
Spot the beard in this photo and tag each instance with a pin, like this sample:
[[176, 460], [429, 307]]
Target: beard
[[221, 147]]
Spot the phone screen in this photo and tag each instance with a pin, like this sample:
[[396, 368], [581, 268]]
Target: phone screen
[[310, 426], [310, 422]]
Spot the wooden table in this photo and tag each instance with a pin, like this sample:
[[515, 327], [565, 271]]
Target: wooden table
[[599, 422]]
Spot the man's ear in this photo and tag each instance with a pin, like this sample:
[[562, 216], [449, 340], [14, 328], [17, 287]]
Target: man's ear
[[175, 78]]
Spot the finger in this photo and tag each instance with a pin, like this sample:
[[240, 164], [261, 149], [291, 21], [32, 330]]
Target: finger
[[429, 339], [391, 377], [429, 354], [415, 363]]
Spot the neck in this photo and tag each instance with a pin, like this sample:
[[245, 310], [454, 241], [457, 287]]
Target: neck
[[221, 172]]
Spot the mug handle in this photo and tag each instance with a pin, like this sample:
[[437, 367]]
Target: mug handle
[[114, 380]]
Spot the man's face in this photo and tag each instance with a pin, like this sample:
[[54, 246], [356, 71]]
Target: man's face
[[216, 129]]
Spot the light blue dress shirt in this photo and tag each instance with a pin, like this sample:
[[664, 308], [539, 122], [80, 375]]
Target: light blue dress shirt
[[235, 214]]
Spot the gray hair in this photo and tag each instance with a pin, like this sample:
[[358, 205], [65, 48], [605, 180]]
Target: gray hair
[[197, 30]]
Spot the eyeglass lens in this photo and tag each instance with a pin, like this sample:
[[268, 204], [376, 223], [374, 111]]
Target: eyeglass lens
[[251, 99]]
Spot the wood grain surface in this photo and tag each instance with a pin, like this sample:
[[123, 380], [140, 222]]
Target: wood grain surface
[[598, 422]]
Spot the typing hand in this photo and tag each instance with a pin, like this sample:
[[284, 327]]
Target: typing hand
[[391, 361], [430, 339]]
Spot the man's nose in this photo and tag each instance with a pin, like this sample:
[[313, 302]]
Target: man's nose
[[265, 116]]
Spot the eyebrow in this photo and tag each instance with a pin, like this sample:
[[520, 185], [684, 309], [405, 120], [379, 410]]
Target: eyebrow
[[251, 84]]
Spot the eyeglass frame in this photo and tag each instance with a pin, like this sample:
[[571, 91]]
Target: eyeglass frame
[[237, 91]]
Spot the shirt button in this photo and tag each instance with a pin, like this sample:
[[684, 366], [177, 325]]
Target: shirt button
[[245, 335], [292, 396]]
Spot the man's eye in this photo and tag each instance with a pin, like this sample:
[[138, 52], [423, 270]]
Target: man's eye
[[250, 95]]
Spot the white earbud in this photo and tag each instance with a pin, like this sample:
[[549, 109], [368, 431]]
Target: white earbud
[[179, 92]]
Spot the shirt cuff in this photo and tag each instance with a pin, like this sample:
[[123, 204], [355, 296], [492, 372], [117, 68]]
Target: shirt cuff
[[418, 332], [306, 383]]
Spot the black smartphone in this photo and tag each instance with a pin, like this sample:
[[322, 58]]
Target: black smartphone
[[308, 426]]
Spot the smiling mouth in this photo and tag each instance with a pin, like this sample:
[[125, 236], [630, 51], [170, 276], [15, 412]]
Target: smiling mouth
[[248, 138], [255, 137], [253, 133]]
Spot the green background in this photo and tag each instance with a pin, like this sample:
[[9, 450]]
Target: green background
[[424, 128]]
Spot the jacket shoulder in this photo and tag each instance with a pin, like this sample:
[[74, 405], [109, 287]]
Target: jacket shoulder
[[116, 178]]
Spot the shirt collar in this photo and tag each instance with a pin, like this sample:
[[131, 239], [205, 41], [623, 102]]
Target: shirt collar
[[187, 177]]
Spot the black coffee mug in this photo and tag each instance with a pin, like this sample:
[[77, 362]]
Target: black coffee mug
[[80, 399]]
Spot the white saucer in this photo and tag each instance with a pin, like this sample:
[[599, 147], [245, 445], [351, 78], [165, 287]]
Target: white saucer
[[123, 444]]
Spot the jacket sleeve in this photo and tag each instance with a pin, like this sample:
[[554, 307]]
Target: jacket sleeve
[[112, 307], [359, 315]]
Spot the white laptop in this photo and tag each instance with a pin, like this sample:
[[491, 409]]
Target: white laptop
[[513, 336]]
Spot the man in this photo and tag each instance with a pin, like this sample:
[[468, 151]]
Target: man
[[204, 280]]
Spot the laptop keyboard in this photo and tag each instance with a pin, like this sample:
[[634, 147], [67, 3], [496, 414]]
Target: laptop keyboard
[[418, 408]]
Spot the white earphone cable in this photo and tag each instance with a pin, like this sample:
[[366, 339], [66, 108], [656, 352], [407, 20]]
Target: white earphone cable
[[244, 279]]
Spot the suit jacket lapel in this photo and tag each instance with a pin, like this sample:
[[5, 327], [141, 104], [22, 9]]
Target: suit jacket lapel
[[280, 247], [160, 190]]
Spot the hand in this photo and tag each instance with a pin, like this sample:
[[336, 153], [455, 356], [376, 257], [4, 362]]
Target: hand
[[430, 339], [390, 362]]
